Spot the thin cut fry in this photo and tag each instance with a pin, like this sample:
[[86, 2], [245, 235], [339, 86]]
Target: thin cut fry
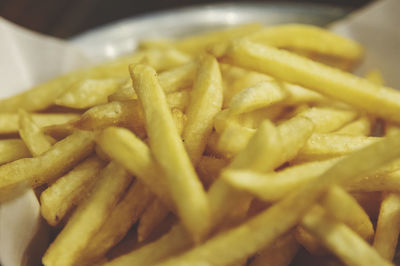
[[69, 190], [339, 238], [119, 221], [359, 127], [264, 228], [258, 96], [63, 155], [309, 38], [323, 146], [88, 93], [328, 119], [280, 253], [13, 149], [122, 145], [9, 122], [88, 218], [127, 113], [151, 218], [334, 83], [45, 94], [170, 153], [32, 135], [178, 78], [205, 103], [388, 228]]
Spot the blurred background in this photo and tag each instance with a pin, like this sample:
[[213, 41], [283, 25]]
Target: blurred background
[[66, 18]]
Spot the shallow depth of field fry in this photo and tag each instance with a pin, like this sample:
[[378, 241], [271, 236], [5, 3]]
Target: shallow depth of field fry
[[247, 146]]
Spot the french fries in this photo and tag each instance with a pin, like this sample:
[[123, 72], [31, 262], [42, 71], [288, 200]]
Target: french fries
[[69, 190], [245, 146], [170, 152]]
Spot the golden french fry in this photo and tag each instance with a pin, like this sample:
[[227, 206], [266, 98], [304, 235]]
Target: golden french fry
[[276, 185], [124, 92], [9, 122], [178, 78], [120, 220], [155, 43], [391, 129], [280, 253], [309, 242], [127, 113], [12, 149], [261, 230], [375, 76], [32, 135], [260, 95], [88, 218], [178, 100], [63, 155], [334, 83], [175, 241], [59, 198], [341, 240], [359, 127], [267, 149], [209, 169], [45, 94], [322, 146], [328, 119], [388, 228], [205, 103], [88, 92], [151, 218], [164, 59], [197, 43], [122, 145], [233, 139], [352, 215], [309, 38], [179, 120], [180, 175]]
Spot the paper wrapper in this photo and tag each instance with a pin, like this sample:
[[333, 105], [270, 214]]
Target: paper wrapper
[[28, 58]]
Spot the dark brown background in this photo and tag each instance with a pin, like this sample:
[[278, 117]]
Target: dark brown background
[[65, 18]]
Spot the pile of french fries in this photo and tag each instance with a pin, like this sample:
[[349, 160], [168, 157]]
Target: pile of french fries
[[245, 146]]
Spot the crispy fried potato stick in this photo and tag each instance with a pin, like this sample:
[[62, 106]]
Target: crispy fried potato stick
[[329, 81], [127, 113], [308, 38], [43, 95], [175, 241], [88, 93], [151, 218], [258, 96], [196, 43], [119, 221], [359, 127], [32, 135], [178, 78], [122, 146], [9, 122], [261, 230], [341, 240], [328, 119], [88, 217], [170, 153], [12, 149], [205, 103], [69, 190], [280, 253], [388, 228], [322, 146], [63, 155]]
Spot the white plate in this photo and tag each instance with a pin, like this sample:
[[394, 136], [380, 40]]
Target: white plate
[[121, 37]]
